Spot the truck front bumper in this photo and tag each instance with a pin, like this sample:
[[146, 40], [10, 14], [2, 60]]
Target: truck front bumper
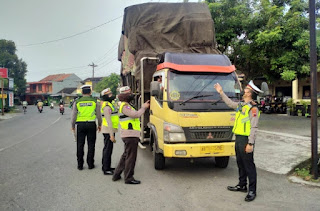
[[199, 150]]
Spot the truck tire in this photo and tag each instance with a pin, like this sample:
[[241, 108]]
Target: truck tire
[[222, 162], [159, 160]]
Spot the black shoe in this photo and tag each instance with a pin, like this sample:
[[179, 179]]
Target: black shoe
[[116, 177], [91, 167], [80, 168], [251, 196], [133, 182], [112, 169], [109, 172], [237, 188]]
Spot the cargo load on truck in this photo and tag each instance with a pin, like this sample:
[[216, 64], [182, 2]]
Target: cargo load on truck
[[151, 29]]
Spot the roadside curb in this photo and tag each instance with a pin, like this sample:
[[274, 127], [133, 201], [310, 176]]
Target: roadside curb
[[295, 179]]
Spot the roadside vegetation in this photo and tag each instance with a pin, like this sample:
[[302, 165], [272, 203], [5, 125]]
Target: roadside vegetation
[[303, 171]]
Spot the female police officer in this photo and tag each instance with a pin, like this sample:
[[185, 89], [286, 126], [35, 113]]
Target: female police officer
[[130, 133]]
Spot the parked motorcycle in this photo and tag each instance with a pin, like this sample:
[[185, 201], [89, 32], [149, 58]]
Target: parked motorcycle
[[61, 108]]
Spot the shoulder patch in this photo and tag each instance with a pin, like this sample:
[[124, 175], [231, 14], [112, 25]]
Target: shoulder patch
[[254, 111], [128, 107]]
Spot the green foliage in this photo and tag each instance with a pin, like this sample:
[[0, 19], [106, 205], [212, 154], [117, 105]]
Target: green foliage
[[265, 38], [288, 75], [291, 104], [17, 68], [304, 173], [112, 81]]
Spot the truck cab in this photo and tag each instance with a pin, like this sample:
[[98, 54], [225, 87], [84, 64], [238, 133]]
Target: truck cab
[[187, 118]]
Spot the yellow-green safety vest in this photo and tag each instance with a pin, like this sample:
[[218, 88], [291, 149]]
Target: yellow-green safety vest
[[86, 109], [242, 125], [114, 115], [125, 120]]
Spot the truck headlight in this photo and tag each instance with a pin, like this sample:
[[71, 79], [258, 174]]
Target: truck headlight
[[173, 133]]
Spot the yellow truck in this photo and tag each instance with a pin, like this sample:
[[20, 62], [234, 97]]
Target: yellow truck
[[168, 56]]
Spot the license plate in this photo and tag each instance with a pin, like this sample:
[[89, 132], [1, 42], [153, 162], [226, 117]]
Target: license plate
[[212, 149]]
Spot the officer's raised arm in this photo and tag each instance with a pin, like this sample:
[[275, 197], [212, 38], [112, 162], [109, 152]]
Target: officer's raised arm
[[224, 97]]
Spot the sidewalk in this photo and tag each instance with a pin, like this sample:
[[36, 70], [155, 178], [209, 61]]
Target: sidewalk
[[282, 143], [8, 115]]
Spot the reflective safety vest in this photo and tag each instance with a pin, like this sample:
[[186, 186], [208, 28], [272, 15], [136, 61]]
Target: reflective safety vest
[[242, 125], [126, 122], [114, 115], [86, 109]]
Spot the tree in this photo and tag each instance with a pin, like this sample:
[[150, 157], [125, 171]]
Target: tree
[[264, 38], [112, 81], [17, 68]]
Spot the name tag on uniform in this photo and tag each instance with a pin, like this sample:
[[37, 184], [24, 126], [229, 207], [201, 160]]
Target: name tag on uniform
[[85, 104]]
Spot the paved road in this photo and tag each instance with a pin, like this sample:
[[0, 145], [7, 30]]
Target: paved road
[[38, 172]]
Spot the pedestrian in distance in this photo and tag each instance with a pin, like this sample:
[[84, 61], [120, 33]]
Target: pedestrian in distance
[[130, 133], [85, 111], [110, 122], [245, 129]]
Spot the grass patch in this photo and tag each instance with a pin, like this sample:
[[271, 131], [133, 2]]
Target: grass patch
[[303, 171]]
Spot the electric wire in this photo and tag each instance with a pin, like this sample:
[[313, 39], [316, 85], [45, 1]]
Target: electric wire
[[71, 36]]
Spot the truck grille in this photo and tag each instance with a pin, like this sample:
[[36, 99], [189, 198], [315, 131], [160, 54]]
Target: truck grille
[[208, 134]]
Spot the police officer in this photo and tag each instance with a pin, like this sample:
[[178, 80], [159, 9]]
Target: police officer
[[110, 121], [245, 128], [84, 114], [130, 133]]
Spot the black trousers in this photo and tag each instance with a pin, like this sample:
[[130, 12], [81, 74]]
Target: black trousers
[[246, 166], [128, 158], [107, 152], [86, 130]]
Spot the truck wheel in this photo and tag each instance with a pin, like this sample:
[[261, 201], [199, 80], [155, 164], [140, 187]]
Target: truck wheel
[[222, 162], [159, 160]]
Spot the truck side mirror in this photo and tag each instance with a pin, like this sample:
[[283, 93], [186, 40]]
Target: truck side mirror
[[155, 88], [265, 89], [237, 88]]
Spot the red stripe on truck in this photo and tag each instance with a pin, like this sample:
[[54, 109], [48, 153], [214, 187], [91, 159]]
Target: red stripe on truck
[[197, 68]]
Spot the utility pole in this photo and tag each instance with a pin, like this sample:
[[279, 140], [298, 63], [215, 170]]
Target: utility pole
[[313, 76], [93, 66]]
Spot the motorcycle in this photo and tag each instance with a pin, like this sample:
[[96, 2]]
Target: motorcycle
[[61, 108], [51, 105], [40, 109]]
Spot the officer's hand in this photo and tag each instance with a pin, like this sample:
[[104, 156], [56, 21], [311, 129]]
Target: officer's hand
[[218, 87], [249, 148], [99, 129], [73, 130], [113, 139], [146, 104]]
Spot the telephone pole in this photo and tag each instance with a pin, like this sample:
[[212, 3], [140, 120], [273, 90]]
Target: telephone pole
[[93, 66]]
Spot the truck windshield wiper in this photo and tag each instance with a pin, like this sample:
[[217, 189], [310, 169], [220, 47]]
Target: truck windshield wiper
[[194, 97]]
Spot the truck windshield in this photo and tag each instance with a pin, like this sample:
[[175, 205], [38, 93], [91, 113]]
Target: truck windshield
[[189, 88]]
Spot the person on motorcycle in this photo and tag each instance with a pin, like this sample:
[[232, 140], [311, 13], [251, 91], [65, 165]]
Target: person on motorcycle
[[24, 105], [39, 104]]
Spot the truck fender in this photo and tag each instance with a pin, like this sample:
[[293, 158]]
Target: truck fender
[[153, 132]]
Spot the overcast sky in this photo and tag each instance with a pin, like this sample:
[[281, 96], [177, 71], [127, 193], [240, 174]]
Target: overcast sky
[[29, 22]]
